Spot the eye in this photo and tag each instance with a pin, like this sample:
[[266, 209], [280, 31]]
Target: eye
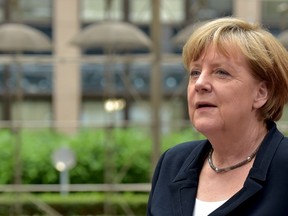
[[195, 73], [222, 73]]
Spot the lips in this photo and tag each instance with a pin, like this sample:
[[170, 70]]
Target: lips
[[204, 105]]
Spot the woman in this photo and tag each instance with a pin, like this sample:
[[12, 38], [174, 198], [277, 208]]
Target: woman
[[237, 89]]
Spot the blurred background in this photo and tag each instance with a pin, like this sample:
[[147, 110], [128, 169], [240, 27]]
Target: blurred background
[[93, 91]]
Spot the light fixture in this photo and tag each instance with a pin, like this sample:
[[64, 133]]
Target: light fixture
[[112, 105]]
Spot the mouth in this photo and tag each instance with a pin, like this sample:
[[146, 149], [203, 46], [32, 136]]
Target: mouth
[[204, 105]]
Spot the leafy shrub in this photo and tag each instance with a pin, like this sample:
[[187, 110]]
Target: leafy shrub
[[7, 143], [125, 153]]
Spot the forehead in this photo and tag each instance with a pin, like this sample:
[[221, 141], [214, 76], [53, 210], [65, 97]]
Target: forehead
[[222, 51]]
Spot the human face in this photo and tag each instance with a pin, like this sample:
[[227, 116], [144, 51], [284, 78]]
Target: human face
[[222, 94]]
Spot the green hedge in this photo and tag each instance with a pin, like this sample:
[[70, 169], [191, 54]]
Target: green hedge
[[127, 150]]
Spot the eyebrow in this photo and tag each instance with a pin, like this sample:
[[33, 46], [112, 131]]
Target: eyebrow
[[213, 64]]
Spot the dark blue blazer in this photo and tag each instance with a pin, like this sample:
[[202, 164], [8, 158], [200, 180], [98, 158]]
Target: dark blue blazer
[[265, 191]]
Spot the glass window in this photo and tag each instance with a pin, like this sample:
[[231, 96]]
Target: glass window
[[221, 8], [2, 13], [171, 11], [209, 9], [275, 15], [94, 112], [36, 78], [35, 10], [140, 11], [42, 111], [94, 10]]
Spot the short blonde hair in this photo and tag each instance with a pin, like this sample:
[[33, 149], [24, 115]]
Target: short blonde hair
[[266, 56]]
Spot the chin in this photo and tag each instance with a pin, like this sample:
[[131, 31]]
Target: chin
[[205, 127]]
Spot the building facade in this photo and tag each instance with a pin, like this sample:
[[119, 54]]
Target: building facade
[[67, 89]]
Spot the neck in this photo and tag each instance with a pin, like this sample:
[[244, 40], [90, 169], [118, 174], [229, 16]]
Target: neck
[[232, 147]]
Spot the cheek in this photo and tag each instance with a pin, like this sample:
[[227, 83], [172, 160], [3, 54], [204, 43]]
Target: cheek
[[190, 93], [190, 88], [242, 100], [190, 99]]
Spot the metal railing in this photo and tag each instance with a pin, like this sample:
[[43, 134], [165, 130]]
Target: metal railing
[[24, 188]]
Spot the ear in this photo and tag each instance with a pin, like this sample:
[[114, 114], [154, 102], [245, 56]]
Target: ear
[[261, 96]]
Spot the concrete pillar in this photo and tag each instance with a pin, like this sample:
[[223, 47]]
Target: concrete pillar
[[155, 82], [67, 92], [248, 9]]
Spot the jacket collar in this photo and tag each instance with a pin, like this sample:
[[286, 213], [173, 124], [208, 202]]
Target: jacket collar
[[184, 186], [265, 153]]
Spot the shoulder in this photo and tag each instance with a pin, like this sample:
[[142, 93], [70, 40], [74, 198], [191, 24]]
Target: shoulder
[[274, 147], [279, 160], [180, 156], [171, 164], [181, 151], [282, 151]]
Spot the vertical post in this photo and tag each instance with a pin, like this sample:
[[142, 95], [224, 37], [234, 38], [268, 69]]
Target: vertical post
[[64, 182], [126, 10], [187, 9], [248, 9], [109, 166], [6, 103], [17, 127], [155, 82], [67, 89]]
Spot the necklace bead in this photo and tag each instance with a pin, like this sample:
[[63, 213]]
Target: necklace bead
[[226, 169]]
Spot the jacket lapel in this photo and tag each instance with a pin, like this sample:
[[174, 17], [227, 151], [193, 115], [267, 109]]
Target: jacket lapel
[[250, 188], [184, 187], [257, 175], [183, 195]]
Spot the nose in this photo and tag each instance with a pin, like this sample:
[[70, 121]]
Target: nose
[[203, 83]]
